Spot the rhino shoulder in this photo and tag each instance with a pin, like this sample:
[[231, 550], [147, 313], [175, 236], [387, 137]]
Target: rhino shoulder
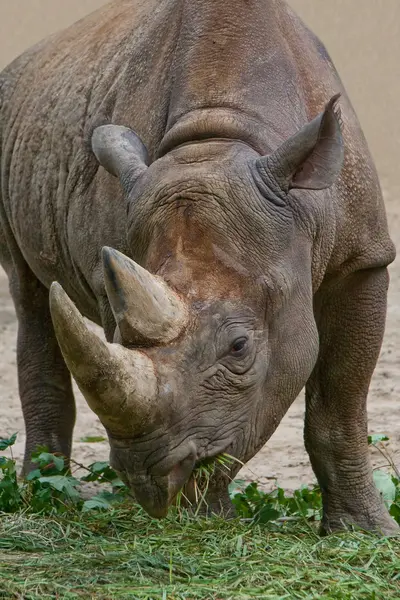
[[15, 71]]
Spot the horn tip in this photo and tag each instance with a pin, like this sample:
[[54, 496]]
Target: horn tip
[[59, 303], [115, 262], [110, 259], [332, 104], [108, 254], [56, 291]]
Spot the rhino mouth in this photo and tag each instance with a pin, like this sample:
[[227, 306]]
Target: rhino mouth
[[156, 493]]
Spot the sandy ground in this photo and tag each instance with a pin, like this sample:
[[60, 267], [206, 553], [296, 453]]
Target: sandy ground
[[365, 46], [283, 457]]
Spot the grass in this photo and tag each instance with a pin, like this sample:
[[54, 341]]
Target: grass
[[54, 545], [122, 553], [201, 479]]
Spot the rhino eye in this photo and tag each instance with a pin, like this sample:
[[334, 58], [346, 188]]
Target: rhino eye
[[239, 346]]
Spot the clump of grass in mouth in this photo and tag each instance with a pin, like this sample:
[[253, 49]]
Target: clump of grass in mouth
[[201, 477]]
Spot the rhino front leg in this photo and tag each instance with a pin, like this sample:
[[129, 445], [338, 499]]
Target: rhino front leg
[[44, 380], [351, 317]]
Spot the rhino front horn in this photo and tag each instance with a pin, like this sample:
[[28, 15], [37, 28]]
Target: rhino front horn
[[119, 385], [145, 308]]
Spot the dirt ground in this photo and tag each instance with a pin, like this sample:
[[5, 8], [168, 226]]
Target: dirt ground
[[365, 53]]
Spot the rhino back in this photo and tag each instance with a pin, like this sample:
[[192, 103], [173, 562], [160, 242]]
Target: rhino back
[[59, 205]]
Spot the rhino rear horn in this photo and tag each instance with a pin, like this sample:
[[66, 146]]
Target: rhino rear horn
[[146, 309], [310, 159], [119, 385], [120, 151]]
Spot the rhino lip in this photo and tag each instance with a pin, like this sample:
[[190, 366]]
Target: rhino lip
[[208, 458], [157, 512], [152, 495], [216, 451]]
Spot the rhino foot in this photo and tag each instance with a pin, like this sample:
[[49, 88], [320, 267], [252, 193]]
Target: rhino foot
[[376, 521]]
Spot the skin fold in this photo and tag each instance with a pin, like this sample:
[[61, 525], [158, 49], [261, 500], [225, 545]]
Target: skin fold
[[194, 178]]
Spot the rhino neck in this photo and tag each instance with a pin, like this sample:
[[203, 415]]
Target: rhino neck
[[233, 75], [215, 123]]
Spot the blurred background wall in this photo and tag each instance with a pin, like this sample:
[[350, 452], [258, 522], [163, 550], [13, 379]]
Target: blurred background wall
[[362, 36]]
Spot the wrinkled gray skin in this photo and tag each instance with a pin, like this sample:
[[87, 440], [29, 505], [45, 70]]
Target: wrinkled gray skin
[[277, 253]]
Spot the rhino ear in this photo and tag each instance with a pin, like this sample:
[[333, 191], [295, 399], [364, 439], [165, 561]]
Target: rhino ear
[[312, 158], [120, 151]]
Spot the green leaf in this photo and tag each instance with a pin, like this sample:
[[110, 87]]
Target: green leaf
[[47, 460], [237, 486], [104, 500], [253, 493], [41, 499], [34, 475], [62, 483], [118, 484], [376, 438], [7, 465], [385, 485], [92, 439], [4, 444], [98, 467], [38, 450], [267, 513], [95, 503], [100, 471], [395, 512]]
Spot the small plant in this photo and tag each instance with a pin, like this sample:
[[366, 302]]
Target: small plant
[[10, 492], [50, 488], [388, 483], [306, 503], [261, 507]]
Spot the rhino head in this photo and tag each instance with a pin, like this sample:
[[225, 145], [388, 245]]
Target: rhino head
[[216, 336]]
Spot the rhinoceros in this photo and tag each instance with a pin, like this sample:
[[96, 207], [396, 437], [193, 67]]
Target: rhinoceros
[[192, 177]]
